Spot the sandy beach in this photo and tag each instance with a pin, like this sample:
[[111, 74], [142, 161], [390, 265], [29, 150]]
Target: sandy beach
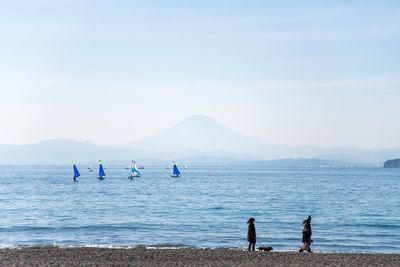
[[185, 257]]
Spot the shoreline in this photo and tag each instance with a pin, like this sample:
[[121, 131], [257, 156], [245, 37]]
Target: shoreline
[[179, 247], [89, 256]]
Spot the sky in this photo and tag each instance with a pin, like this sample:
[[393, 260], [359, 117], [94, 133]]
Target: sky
[[288, 72]]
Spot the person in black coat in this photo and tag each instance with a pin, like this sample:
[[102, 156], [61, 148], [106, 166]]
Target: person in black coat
[[251, 234], [307, 233]]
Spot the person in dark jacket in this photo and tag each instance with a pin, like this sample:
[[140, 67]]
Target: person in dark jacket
[[251, 234], [307, 233]]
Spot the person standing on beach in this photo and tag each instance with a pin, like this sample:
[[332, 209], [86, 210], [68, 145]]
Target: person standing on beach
[[307, 233], [251, 234]]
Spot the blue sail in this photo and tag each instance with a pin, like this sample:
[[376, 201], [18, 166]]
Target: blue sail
[[176, 170], [76, 172], [101, 170]]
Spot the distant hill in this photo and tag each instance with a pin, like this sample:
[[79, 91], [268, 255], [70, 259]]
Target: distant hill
[[58, 151], [392, 163]]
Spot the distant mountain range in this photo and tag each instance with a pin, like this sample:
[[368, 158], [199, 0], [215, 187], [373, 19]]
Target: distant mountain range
[[198, 139]]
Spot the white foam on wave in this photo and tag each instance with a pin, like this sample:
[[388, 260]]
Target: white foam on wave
[[6, 246]]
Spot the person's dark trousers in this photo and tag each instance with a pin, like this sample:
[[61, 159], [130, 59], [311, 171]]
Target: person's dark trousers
[[252, 246]]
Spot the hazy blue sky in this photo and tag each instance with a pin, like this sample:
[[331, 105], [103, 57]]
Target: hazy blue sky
[[288, 72]]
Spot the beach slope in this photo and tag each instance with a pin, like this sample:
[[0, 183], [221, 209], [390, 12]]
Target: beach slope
[[185, 257]]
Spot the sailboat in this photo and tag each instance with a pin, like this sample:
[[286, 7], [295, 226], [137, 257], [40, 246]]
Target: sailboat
[[101, 172], [134, 170], [175, 171], [76, 172]]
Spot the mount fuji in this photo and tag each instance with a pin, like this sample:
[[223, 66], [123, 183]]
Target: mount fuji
[[199, 133]]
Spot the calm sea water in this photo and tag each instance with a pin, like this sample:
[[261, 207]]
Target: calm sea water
[[353, 209]]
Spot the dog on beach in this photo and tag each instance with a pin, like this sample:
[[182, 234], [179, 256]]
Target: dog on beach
[[265, 248]]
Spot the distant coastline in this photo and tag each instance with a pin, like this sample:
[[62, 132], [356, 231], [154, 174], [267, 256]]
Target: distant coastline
[[196, 139]]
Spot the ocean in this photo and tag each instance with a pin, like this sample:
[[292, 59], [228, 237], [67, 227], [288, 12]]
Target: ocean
[[352, 209]]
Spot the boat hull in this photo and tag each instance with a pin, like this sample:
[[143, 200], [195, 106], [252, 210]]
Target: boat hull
[[101, 178]]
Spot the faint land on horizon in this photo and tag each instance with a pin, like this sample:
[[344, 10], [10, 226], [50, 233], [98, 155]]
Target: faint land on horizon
[[198, 138]]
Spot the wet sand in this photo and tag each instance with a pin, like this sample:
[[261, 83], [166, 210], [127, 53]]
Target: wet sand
[[185, 257]]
